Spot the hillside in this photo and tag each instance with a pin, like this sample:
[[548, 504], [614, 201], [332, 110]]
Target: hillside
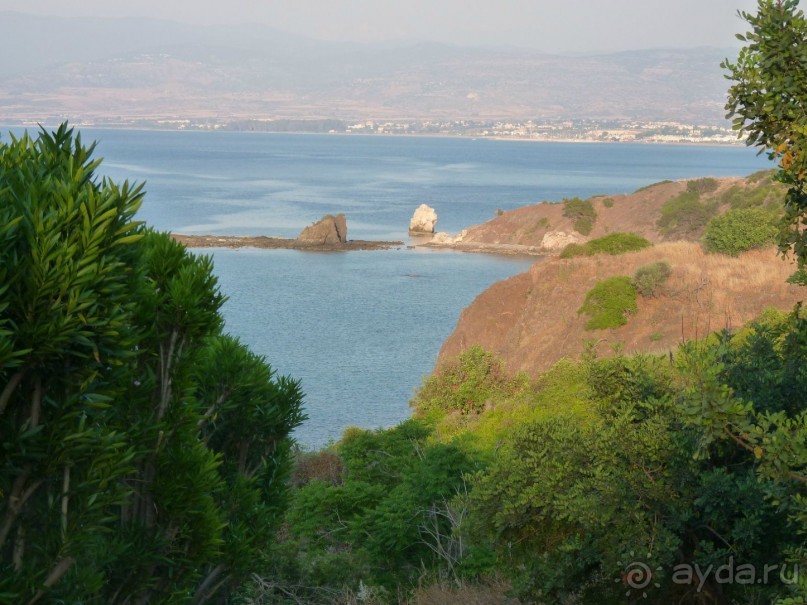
[[124, 70], [531, 320], [543, 229]]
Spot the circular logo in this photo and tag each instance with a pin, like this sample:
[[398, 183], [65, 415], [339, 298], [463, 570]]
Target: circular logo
[[637, 575]]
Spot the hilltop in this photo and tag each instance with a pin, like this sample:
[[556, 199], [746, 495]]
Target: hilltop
[[547, 227], [532, 320]]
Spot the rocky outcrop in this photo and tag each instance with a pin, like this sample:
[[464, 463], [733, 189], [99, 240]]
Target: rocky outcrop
[[443, 238], [424, 220], [544, 229], [328, 230], [556, 241]]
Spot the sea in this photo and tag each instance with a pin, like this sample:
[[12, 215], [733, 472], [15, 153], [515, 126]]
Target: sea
[[362, 329]]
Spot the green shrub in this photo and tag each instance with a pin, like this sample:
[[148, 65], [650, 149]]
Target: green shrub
[[467, 383], [684, 215], [608, 202], [740, 230], [760, 175], [572, 250], [615, 243], [701, 186], [799, 278], [749, 197], [609, 303], [542, 223], [581, 212], [648, 278]]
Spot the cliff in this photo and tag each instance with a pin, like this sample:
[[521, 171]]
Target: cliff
[[531, 320]]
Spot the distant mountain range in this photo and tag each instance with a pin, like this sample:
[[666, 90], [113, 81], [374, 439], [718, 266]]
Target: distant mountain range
[[140, 69]]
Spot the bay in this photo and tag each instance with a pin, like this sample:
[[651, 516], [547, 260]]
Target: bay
[[361, 329]]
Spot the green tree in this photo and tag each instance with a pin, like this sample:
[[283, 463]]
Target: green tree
[[67, 245], [144, 454], [768, 103]]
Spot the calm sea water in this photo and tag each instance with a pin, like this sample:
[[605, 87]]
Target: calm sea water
[[361, 329]]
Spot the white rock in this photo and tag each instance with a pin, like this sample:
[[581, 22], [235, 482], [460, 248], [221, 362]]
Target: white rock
[[555, 241], [423, 220]]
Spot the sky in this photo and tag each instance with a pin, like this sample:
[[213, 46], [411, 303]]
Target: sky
[[564, 26]]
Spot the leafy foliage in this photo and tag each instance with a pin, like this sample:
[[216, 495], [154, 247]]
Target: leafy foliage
[[739, 230], [581, 212], [766, 103], [614, 244], [648, 278], [767, 194], [467, 383], [609, 303], [394, 514], [144, 453]]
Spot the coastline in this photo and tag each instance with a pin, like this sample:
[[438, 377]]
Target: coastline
[[4, 127], [277, 243]]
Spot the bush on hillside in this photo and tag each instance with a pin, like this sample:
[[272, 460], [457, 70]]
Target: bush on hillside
[[608, 202], [615, 243], [701, 186], [740, 230], [581, 212], [648, 278], [684, 215], [760, 175], [467, 383], [770, 194], [609, 303]]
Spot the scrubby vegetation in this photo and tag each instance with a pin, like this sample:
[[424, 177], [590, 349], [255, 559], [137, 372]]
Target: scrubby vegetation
[[553, 491], [467, 384], [649, 278], [608, 202], [646, 187], [702, 186], [766, 193], [610, 303], [685, 215], [739, 230], [614, 243], [581, 212]]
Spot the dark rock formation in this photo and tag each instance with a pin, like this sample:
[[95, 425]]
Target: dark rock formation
[[328, 230]]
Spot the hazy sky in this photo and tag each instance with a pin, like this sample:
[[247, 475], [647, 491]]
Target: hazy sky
[[549, 25]]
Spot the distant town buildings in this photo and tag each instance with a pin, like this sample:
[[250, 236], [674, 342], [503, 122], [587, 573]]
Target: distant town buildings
[[606, 131]]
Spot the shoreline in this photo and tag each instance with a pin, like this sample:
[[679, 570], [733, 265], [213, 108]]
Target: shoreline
[[142, 128], [278, 243]]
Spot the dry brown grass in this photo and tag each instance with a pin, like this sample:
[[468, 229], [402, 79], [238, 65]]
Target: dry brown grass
[[531, 320]]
